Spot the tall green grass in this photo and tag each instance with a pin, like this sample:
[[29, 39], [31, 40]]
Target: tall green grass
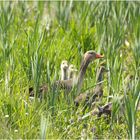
[[36, 36]]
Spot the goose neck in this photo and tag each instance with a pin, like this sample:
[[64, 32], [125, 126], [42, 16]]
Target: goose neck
[[81, 75], [63, 74]]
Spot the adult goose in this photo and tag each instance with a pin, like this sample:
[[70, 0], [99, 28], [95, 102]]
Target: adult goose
[[88, 57]]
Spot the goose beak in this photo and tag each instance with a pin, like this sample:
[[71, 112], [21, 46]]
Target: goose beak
[[98, 56]]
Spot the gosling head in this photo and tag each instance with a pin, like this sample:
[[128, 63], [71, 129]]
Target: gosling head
[[72, 68], [100, 73], [103, 69], [64, 65], [91, 55], [72, 71], [64, 70]]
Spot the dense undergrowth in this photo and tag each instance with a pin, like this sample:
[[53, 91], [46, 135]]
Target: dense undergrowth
[[36, 36]]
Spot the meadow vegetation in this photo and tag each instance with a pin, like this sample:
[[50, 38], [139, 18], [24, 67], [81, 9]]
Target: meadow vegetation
[[36, 36]]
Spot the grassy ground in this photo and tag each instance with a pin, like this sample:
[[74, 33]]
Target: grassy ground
[[36, 36]]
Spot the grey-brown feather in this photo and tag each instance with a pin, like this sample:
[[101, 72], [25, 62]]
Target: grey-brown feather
[[92, 94]]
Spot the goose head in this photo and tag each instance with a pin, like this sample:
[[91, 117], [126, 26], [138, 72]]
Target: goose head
[[103, 69], [91, 56], [72, 71], [64, 69], [64, 65], [100, 73]]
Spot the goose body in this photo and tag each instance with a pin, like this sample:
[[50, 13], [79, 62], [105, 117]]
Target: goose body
[[42, 90], [91, 95], [44, 87]]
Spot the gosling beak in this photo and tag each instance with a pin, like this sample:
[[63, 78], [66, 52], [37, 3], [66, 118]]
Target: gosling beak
[[98, 56], [66, 67]]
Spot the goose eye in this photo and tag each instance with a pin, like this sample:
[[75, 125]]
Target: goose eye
[[91, 52]]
